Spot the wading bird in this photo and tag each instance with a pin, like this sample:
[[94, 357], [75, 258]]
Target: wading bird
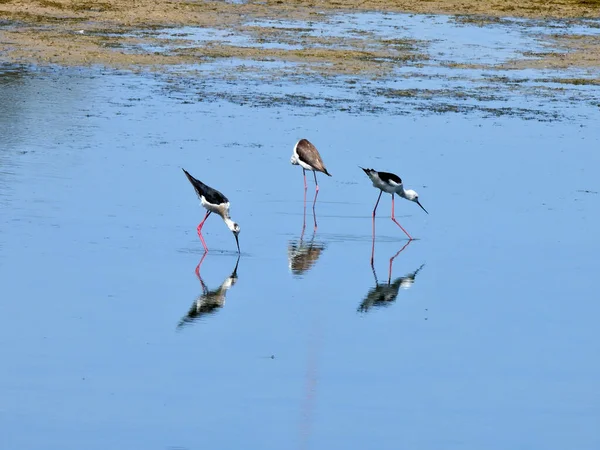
[[214, 202], [392, 184], [307, 156]]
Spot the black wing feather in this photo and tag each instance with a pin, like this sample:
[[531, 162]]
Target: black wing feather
[[210, 195], [386, 177]]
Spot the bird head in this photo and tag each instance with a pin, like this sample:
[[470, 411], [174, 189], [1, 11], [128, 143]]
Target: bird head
[[235, 229], [414, 197]]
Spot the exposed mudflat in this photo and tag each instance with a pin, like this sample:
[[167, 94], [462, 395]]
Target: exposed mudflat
[[395, 61], [83, 33]]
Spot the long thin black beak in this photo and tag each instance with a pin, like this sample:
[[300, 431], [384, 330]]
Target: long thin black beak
[[238, 242], [421, 206]]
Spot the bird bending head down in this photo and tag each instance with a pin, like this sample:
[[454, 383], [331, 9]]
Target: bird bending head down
[[392, 184], [214, 202], [235, 229]]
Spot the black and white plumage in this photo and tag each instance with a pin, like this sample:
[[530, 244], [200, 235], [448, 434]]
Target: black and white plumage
[[385, 181], [214, 202], [307, 156], [392, 184]]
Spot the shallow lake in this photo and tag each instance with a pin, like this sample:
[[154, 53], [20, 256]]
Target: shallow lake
[[482, 333]]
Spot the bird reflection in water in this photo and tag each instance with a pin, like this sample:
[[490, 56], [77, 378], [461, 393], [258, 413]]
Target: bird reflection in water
[[385, 294], [303, 255], [210, 300]]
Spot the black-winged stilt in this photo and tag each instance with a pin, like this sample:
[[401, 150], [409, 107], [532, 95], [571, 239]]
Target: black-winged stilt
[[307, 156], [214, 202], [392, 184]]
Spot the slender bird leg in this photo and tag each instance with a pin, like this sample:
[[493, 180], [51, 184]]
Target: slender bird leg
[[313, 208], [375, 209], [396, 222], [392, 261], [316, 184], [204, 288], [373, 246], [199, 229], [304, 173]]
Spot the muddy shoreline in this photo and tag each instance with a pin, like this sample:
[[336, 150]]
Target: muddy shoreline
[[74, 33]]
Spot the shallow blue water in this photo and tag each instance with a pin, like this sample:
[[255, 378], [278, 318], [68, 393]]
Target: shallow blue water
[[493, 346]]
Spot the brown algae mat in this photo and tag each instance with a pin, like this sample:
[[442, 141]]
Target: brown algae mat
[[69, 32]]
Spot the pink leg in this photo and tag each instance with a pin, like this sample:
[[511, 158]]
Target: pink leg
[[316, 184], [199, 229], [373, 246], [304, 173], [375, 209], [396, 222]]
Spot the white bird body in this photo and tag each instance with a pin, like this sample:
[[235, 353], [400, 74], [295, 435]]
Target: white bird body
[[222, 209]]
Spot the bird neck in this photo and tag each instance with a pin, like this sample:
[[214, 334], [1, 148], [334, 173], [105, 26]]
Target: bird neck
[[230, 223]]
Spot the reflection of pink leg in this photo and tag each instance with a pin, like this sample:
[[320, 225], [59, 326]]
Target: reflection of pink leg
[[396, 222], [394, 257], [303, 218], [199, 229], [313, 208], [198, 270], [373, 251]]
